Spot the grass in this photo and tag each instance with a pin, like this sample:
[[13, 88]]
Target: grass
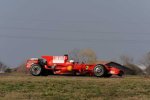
[[26, 87]]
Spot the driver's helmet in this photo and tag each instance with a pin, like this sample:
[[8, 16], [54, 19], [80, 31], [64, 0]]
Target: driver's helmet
[[71, 61]]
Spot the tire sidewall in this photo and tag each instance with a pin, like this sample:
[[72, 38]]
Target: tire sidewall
[[102, 70], [38, 66]]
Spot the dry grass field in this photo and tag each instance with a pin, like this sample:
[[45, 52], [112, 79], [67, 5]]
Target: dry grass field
[[26, 87]]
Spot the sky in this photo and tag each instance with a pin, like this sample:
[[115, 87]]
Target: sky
[[31, 28]]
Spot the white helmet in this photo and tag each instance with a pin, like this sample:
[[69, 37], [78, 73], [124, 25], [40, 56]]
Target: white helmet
[[71, 61]]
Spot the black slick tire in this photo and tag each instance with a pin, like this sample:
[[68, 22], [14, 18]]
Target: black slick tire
[[36, 70], [99, 70]]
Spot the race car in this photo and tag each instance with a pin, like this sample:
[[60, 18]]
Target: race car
[[61, 65]]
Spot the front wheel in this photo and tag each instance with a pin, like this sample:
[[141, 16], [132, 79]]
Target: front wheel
[[36, 70], [99, 70]]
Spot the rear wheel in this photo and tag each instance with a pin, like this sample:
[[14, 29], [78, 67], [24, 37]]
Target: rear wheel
[[36, 70], [99, 70]]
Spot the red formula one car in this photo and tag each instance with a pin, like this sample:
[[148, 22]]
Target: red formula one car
[[61, 65]]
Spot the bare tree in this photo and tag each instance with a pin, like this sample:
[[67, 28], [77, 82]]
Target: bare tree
[[3, 67], [74, 55], [83, 55], [146, 62], [126, 59], [87, 56], [129, 63]]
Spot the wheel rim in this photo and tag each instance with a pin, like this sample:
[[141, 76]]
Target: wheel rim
[[36, 70], [98, 70]]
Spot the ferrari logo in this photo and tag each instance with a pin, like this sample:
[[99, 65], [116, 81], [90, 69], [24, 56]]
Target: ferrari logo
[[87, 67]]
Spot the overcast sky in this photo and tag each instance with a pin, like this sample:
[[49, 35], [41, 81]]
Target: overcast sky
[[30, 28]]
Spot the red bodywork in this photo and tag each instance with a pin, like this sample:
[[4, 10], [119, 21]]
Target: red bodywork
[[62, 65]]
